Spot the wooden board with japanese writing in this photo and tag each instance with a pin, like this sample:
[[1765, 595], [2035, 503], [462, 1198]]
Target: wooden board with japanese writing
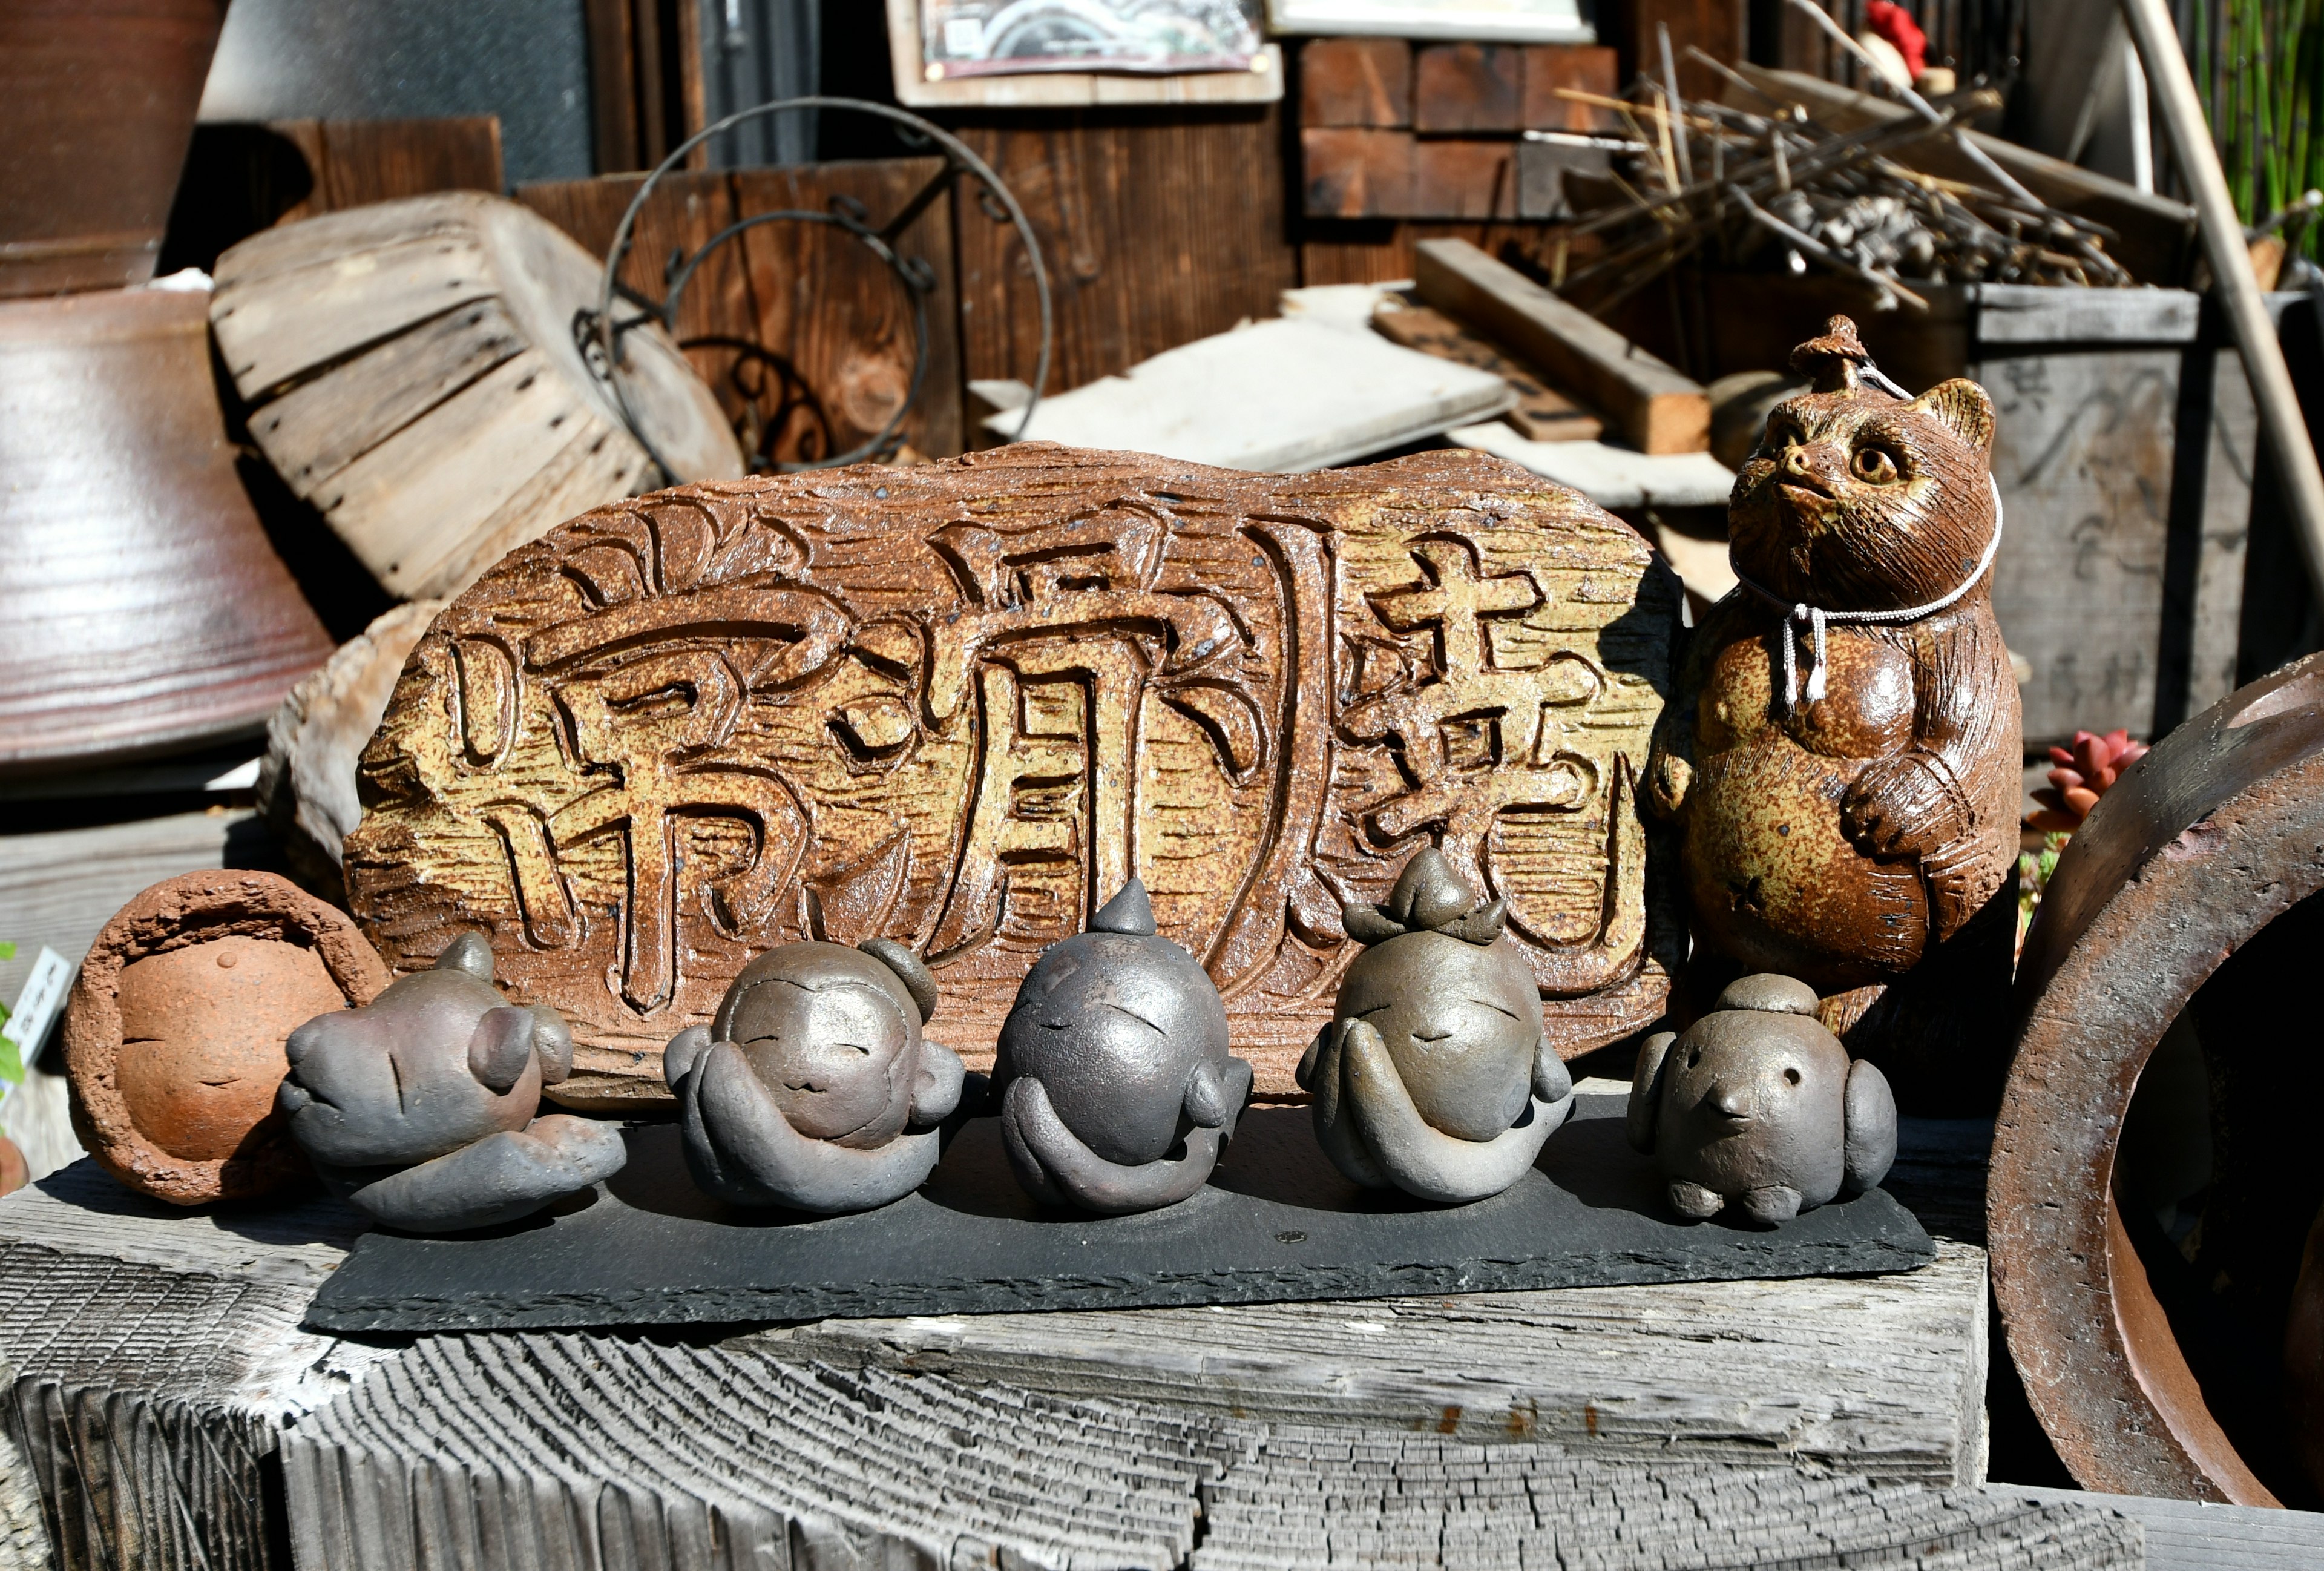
[[958, 705]]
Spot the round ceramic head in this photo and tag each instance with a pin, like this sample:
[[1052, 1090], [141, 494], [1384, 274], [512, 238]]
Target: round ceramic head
[[1450, 995], [1116, 1023], [834, 1033], [1754, 1093], [174, 1037]]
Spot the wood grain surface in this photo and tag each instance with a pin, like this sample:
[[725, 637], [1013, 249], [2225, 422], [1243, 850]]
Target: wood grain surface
[[1143, 254], [958, 705], [356, 163], [142, 606], [835, 327], [412, 371]]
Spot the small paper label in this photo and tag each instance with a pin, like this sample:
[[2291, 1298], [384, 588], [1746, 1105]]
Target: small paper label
[[38, 1005], [963, 35]]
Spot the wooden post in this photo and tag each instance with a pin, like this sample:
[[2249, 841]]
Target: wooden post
[[2223, 245]]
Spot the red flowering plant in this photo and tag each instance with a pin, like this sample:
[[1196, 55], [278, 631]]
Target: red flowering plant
[[2084, 774]]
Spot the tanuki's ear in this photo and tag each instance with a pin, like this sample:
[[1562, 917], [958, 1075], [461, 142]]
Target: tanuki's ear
[[1647, 1090], [500, 1046], [909, 969], [935, 1088], [1961, 406], [1553, 1082], [552, 1038]]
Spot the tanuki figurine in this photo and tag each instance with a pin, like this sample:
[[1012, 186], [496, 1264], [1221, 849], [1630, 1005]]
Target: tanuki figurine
[[1757, 1106], [1117, 1090], [419, 1107], [1842, 752], [1435, 1075], [813, 1087]]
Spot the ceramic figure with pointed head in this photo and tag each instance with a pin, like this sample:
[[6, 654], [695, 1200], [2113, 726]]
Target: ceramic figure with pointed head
[[1435, 1075], [1117, 1090]]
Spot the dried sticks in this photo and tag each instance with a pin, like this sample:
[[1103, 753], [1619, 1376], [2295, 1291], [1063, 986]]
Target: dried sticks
[[1779, 191]]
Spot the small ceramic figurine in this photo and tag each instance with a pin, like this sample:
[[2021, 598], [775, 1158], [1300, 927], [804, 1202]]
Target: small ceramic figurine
[[801, 1091], [1114, 1057], [1842, 752], [173, 1037], [419, 1107], [1757, 1105], [1435, 1075]]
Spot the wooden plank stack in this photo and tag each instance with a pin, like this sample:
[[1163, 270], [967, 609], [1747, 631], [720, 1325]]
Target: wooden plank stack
[[1391, 130], [414, 371]]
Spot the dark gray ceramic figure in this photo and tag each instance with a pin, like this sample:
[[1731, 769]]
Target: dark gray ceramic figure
[[1435, 1075], [812, 1088], [418, 1106], [1757, 1105], [1113, 1059]]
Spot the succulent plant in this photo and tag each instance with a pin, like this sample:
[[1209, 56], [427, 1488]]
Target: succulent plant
[[2082, 775]]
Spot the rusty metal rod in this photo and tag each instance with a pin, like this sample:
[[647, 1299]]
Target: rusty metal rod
[[2231, 271]]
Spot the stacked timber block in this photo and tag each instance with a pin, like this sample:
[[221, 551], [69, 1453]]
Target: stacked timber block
[[1389, 129]]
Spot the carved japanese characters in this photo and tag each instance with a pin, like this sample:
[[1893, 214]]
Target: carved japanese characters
[[1757, 1106], [1435, 1075], [1842, 752], [813, 1088], [418, 1108], [1117, 1092], [173, 1038], [958, 706]]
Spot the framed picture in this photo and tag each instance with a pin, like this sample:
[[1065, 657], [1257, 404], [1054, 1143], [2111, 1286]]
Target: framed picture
[[993, 38], [1059, 54], [1492, 21]]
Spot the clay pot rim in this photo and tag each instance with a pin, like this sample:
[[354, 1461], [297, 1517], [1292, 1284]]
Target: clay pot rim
[[179, 913]]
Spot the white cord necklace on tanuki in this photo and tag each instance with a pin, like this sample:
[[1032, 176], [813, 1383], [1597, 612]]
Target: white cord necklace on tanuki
[[1815, 617]]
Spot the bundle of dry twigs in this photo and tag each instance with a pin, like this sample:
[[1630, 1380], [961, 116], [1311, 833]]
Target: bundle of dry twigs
[[1772, 189]]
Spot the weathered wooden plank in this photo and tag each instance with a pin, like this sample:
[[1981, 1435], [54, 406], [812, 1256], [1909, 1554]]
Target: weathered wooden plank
[[331, 422], [1355, 81], [1142, 256], [313, 316], [476, 454], [1586, 68], [2201, 1535], [1355, 173], [1884, 1375], [1462, 88], [1305, 1499], [1655, 406], [1457, 179], [1543, 413], [2083, 450], [1284, 396], [837, 323]]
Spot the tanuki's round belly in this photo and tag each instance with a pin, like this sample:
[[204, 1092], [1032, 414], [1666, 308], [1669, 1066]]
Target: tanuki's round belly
[[1776, 883]]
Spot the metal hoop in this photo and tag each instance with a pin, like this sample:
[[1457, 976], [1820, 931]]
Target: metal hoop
[[606, 333]]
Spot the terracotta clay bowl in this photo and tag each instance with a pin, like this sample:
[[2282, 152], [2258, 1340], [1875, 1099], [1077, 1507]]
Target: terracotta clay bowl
[[173, 1036]]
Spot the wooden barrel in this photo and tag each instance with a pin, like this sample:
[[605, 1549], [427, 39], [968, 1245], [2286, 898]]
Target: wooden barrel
[[413, 370]]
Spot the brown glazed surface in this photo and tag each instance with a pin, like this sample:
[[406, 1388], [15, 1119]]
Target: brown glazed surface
[[174, 1058], [958, 706], [201, 1038], [2205, 843], [1849, 839]]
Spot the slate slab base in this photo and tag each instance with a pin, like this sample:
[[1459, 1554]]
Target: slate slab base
[[1276, 1223]]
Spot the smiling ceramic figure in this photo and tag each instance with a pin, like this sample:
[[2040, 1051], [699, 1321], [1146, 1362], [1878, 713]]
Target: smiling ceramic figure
[[1435, 1075], [813, 1087], [1757, 1105], [419, 1107], [1117, 1090]]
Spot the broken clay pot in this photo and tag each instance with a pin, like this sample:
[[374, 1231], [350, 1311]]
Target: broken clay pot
[[813, 1088], [418, 1108], [173, 1038], [1117, 1091], [1435, 1075], [1757, 1106]]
